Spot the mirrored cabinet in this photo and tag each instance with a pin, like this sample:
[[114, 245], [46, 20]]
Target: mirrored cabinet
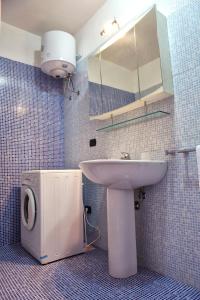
[[131, 71]]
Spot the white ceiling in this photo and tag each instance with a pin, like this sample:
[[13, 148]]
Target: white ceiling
[[39, 16]]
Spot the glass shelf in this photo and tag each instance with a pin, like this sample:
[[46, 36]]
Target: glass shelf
[[142, 118]]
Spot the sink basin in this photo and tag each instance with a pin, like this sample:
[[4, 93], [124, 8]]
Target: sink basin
[[121, 177], [124, 174]]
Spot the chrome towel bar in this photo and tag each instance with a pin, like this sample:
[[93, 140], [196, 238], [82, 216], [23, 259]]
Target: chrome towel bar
[[184, 150]]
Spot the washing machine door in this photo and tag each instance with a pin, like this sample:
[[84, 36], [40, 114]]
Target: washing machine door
[[28, 209]]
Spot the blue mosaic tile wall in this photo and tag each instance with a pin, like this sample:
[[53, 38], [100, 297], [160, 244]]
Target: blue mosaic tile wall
[[31, 135], [104, 98], [168, 223]]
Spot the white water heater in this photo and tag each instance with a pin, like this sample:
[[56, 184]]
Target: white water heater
[[58, 53]]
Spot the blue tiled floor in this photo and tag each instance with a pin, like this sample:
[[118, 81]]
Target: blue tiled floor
[[81, 277]]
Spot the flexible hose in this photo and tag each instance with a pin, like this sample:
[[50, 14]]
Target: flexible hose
[[95, 228]]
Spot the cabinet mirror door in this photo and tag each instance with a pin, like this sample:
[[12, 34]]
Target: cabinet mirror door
[[113, 76], [95, 85], [148, 54]]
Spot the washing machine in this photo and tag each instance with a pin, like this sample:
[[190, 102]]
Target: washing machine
[[52, 225]]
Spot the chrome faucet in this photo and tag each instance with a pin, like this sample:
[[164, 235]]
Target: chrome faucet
[[125, 155]]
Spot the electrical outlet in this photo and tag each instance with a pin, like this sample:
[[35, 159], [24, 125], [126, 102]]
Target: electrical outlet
[[93, 142], [88, 209]]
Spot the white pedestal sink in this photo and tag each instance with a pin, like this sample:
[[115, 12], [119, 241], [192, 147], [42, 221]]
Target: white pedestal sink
[[121, 177]]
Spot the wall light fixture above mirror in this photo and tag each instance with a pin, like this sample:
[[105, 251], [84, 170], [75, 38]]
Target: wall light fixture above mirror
[[110, 27]]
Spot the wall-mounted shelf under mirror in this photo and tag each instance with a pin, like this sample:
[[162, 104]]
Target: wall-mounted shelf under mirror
[[142, 118], [132, 70]]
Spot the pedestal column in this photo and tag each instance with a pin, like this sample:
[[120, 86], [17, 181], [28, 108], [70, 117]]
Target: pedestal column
[[122, 254]]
